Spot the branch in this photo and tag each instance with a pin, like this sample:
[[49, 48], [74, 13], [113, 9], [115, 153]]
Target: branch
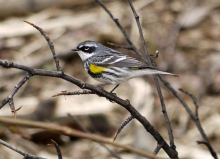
[[194, 101], [211, 150], [99, 91], [124, 123], [157, 149], [47, 38], [14, 91], [155, 78], [170, 133], [65, 130], [199, 126], [121, 29], [26, 155], [59, 154]]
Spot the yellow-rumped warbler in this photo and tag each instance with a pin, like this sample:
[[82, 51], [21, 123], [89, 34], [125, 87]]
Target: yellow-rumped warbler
[[110, 66]]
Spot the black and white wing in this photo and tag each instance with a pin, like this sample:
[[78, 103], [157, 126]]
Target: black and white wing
[[118, 61]]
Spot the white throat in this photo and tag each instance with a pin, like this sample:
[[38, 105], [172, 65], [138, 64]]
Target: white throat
[[84, 56]]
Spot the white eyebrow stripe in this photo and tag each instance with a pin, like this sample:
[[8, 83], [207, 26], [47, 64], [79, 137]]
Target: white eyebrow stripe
[[80, 46], [89, 45]]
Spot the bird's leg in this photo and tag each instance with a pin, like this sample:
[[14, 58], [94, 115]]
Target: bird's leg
[[114, 88]]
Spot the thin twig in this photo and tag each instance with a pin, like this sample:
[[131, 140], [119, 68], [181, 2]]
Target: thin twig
[[14, 91], [140, 54], [77, 122], [26, 155], [170, 133], [55, 128], [194, 101], [121, 29], [214, 154], [59, 154], [47, 38], [123, 124], [157, 149], [195, 118]]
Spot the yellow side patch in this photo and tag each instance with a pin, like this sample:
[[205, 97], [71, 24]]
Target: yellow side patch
[[96, 69], [134, 68]]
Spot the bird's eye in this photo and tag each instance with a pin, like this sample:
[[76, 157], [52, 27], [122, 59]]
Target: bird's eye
[[86, 48]]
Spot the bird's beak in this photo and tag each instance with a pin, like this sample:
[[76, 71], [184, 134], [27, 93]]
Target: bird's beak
[[74, 49]]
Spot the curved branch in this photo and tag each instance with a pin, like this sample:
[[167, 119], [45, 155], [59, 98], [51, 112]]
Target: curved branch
[[99, 91]]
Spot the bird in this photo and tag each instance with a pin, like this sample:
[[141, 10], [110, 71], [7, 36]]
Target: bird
[[110, 66]]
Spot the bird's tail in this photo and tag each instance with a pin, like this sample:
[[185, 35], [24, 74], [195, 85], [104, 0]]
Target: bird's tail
[[151, 72]]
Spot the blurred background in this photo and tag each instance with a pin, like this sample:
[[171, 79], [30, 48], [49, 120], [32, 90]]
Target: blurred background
[[187, 35]]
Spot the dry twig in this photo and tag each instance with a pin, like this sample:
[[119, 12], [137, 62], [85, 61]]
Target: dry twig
[[174, 153], [59, 154], [49, 43], [123, 124], [170, 133], [195, 118]]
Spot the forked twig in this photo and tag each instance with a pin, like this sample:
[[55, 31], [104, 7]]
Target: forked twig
[[195, 118], [9, 98], [122, 30]]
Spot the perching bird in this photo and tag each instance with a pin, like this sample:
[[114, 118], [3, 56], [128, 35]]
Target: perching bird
[[110, 66]]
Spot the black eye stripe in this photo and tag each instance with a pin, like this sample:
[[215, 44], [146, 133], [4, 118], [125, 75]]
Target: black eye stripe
[[87, 49]]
